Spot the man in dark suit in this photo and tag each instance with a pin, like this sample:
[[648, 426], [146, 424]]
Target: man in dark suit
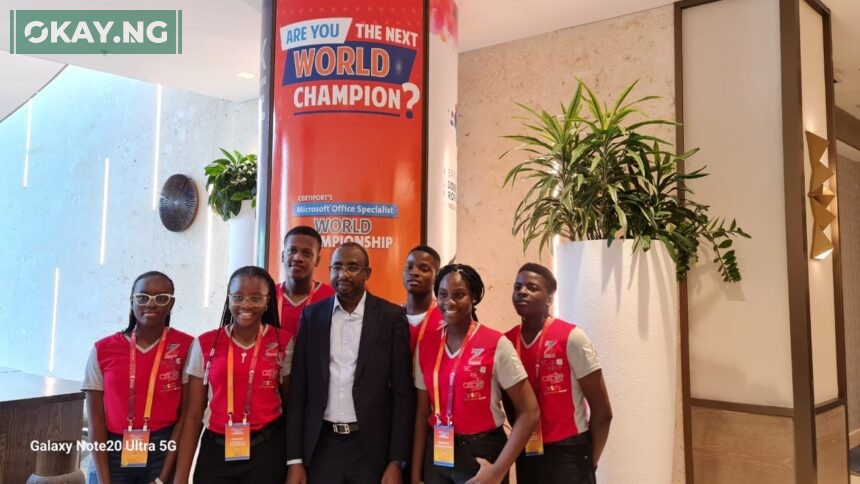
[[350, 413]]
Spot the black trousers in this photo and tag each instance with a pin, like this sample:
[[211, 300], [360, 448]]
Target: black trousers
[[467, 448], [268, 462], [341, 459], [568, 461]]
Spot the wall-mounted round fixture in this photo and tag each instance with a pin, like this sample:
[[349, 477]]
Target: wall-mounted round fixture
[[178, 204]]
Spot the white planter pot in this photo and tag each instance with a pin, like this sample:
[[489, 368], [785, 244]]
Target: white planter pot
[[628, 305], [241, 228]]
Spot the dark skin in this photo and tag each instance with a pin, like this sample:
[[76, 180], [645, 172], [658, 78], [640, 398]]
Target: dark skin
[[455, 300], [150, 326], [418, 276], [301, 255], [244, 330], [532, 301], [350, 288]]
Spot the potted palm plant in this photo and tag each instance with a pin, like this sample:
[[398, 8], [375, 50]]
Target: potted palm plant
[[613, 194], [232, 185]]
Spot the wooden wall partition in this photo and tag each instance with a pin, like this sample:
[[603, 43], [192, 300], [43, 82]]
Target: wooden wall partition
[[753, 432], [741, 447]]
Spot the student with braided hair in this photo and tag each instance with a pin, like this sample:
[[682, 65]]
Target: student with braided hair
[[133, 385], [239, 375], [460, 374]]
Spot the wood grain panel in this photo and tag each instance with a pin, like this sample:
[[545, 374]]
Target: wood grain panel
[[831, 446], [848, 182], [741, 448], [19, 426]]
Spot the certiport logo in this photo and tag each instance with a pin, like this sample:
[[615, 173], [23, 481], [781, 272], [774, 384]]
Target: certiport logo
[[95, 31]]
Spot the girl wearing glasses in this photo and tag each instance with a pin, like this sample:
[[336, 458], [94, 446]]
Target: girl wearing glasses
[[242, 369], [133, 385]]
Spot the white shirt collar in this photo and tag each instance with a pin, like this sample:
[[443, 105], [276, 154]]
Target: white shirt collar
[[359, 309]]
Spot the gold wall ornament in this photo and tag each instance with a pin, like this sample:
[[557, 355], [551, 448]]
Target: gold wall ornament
[[820, 196]]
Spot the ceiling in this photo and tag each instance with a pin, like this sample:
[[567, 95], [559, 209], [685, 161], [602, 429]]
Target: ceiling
[[221, 38]]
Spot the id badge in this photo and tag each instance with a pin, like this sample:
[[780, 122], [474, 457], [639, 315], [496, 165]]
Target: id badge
[[443, 445], [534, 446], [237, 442], [135, 448]]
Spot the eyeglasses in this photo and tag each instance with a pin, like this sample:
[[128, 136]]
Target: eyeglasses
[[142, 299], [238, 300], [351, 269]]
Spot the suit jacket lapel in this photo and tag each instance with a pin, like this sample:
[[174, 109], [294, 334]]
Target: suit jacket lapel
[[369, 328]]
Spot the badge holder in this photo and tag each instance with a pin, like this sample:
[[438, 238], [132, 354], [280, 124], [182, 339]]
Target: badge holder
[[237, 440], [534, 446], [443, 444], [135, 446]]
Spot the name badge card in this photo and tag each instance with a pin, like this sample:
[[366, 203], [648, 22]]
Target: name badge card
[[443, 445], [237, 442], [135, 448], [534, 446]]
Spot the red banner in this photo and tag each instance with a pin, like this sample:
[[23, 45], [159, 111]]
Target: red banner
[[348, 113]]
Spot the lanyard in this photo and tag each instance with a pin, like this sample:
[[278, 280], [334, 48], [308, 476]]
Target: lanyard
[[443, 342], [536, 384], [424, 323], [132, 377], [251, 372]]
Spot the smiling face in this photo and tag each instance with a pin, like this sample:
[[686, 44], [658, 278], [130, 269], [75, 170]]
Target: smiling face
[[530, 296], [151, 314], [300, 256], [349, 272], [254, 293], [419, 273], [454, 299]]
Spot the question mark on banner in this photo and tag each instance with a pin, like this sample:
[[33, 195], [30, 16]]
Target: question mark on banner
[[415, 95]]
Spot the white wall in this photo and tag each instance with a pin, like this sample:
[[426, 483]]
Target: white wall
[[739, 333], [55, 222]]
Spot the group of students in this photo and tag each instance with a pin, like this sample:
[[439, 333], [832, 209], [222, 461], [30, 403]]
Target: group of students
[[305, 382]]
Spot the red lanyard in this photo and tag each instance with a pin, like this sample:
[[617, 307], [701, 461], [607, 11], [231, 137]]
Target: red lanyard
[[543, 332], [443, 341], [132, 377], [251, 371], [424, 323]]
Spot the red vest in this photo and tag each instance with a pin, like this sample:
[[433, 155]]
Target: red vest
[[472, 411], [434, 323], [266, 396], [555, 392], [290, 314], [112, 353]]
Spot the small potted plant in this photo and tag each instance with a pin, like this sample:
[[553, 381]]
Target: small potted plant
[[231, 180]]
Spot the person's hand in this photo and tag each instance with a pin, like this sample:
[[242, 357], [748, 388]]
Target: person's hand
[[486, 475], [392, 474], [296, 474]]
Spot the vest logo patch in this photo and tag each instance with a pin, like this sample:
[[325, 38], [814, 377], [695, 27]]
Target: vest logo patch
[[271, 350], [549, 348], [172, 351], [475, 359]]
